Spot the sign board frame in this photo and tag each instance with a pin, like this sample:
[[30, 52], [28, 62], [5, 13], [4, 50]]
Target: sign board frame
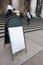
[[13, 33]]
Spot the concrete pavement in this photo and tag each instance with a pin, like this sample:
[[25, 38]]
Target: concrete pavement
[[34, 55]]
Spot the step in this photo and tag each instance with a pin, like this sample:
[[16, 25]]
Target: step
[[2, 35], [32, 27], [2, 23], [2, 31], [30, 30], [2, 27]]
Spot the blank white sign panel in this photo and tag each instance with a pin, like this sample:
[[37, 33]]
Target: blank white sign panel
[[16, 38]]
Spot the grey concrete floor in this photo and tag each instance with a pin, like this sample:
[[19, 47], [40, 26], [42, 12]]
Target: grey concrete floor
[[35, 60], [37, 38]]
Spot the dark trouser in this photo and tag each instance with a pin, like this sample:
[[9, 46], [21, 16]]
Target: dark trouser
[[9, 13], [28, 21]]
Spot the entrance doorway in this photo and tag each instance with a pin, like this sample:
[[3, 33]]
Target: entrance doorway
[[27, 4], [38, 8]]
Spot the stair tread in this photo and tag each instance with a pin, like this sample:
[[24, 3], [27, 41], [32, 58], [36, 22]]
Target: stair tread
[[2, 34], [2, 30], [32, 27], [2, 27], [29, 30]]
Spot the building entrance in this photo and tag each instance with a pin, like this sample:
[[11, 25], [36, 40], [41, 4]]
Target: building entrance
[[27, 4], [38, 8]]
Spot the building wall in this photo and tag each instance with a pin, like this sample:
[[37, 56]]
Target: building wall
[[33, 7], [3, 5], [19, 5], [15, 4], [42, 11]]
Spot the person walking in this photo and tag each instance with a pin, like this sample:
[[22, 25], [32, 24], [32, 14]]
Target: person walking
[[29, 16], [9, 10]]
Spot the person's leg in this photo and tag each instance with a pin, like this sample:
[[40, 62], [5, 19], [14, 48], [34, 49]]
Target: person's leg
[[10, 12], [28, 21]]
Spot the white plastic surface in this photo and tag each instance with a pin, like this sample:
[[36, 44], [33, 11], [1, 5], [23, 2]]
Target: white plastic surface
[[16, 38]]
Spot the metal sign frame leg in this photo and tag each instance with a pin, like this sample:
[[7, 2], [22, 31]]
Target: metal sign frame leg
[[25, 41], [11, 52]]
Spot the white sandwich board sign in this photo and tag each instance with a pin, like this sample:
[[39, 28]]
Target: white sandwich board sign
[[16, 36]]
